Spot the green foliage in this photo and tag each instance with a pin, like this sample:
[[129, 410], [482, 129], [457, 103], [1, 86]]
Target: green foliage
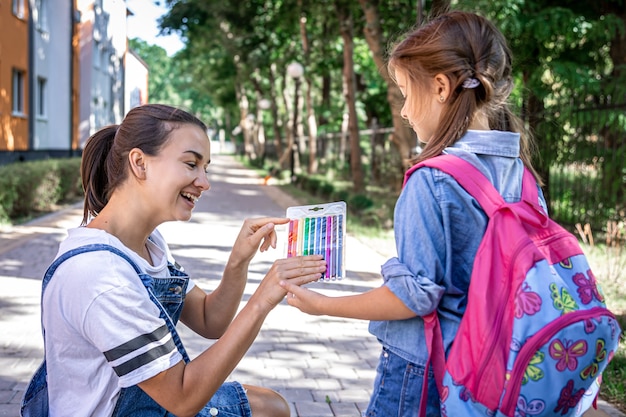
[[570, 92], [564, 54], [360, 202], [28, 188], [70, 182], [312, 185], [326, 189], [341, 195], [613, 386], [8, 194], [171, 82], [163, 77], [39, 185]]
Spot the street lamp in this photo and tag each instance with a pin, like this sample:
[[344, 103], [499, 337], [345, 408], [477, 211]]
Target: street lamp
[[263, 104], [295, 70]]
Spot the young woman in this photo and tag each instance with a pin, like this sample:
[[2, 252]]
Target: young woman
[[107, 345], [455, 75]]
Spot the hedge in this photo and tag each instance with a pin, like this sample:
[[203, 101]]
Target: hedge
[[35, 187]]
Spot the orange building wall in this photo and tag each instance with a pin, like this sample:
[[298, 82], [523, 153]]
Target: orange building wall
[[75, 82], [13, 54]]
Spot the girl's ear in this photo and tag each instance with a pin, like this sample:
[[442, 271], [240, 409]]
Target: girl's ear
[[442, 87], [137, 162]]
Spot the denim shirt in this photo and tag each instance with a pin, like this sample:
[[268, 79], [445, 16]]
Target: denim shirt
[[438, 227]]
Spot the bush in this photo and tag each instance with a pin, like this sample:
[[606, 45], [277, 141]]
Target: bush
[[71, 186], [341, 195], [313, 185], [28, 188], [8, 195], [300, 181], [360, 202], [326, 189]]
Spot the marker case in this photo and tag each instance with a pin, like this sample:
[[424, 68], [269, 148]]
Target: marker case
[[319, 229]]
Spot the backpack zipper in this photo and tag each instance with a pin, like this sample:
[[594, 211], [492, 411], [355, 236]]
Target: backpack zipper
[[540, 339]]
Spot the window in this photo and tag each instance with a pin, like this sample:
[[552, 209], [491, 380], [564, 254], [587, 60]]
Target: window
[[41, 96], [18, 8], [40, 15], [18, 91], [95, 55]]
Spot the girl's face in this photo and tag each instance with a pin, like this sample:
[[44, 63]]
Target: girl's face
[[176, 177], [422, 106]]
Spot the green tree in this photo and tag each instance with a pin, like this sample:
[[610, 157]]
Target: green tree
[[566, 53], [162, 80], [564, 58], [170, 81]]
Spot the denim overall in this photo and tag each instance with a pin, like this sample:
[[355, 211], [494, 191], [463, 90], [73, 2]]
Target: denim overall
[[169, 295]]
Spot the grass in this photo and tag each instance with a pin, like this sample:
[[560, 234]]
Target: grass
[[608, 263]]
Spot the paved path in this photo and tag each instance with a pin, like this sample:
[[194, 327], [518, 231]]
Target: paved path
[[324, 366]]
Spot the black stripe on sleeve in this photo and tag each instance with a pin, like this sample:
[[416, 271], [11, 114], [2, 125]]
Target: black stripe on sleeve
[[147, 357], [136, 343]]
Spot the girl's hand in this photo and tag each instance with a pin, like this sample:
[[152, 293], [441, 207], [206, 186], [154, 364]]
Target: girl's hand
[[303, 299], [296, 271], [255, 234]]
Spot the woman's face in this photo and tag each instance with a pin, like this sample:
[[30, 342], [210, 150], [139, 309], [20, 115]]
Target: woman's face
[[422, 107], [176, 177]]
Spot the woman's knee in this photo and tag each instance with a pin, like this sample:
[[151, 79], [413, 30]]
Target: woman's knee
[[265, 402]]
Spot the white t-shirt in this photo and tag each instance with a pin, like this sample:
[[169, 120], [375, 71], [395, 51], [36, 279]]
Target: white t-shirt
[[96, 304]]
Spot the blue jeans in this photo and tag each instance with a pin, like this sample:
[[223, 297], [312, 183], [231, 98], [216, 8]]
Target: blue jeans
[[398, 389]]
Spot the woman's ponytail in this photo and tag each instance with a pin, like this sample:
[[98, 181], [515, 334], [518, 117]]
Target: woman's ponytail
[[94, 173]]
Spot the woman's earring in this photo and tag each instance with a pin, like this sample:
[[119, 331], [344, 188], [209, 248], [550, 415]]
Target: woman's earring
[[442, 98]]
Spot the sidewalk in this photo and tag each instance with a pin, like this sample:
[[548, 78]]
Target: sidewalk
[[323, 366]]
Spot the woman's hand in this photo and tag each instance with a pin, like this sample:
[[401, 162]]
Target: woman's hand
[[255, 234], [297, 270]]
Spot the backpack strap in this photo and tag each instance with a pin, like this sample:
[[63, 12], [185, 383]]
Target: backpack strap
[[475, 182], [147, 284]]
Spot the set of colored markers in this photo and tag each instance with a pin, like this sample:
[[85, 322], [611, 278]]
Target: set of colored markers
[[319, 229]]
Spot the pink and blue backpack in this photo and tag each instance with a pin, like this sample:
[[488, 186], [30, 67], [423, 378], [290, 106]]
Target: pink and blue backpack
[[536, 334]]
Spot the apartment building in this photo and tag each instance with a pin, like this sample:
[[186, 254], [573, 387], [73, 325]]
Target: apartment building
[[135, 81], [63, 75], [50, 76], [14, 73]]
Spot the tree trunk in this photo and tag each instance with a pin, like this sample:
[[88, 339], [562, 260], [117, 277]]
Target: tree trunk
[[244, 123], [259, 129], [343, 139], [287, 158], [274, 109], [297, 127], [346, 28], [310, 115], [403, 136]]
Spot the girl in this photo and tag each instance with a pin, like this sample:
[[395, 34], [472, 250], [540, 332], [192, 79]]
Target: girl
[[107, 346], [455, 75]]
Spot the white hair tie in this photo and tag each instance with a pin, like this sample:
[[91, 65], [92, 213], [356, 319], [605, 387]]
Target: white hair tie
[[470, 83]]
